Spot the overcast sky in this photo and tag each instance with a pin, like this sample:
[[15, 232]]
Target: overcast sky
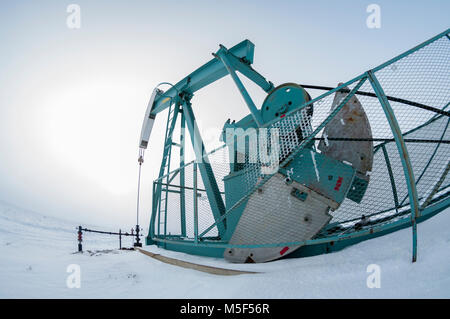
[[72, 100]]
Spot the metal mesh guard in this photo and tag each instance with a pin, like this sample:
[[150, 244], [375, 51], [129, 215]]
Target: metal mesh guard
[[421, 75]]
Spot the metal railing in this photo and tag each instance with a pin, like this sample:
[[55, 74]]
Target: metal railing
[[132, 233]]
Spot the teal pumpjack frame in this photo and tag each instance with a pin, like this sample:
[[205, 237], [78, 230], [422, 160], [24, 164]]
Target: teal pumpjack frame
[[239, 58]]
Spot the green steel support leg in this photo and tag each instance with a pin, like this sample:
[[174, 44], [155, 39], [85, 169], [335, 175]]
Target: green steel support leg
[[414, 234], [151, 229], [403, 152], [256, 114], [158, 204], [206, 172], [195, 204], [182, 177]]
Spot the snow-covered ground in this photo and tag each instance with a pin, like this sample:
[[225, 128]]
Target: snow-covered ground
[[36, 250]]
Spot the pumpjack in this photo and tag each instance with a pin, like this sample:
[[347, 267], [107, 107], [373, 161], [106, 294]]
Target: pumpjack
[[301, 173]]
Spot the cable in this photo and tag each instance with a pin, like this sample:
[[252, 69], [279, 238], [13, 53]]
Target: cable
[[407, 140], [140, 161], [391, 98]]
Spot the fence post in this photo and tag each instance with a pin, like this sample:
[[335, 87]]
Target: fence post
[[120, 239], [137, 243], [80, 239]]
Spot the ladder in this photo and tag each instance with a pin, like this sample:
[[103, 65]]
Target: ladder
[[165, 169]]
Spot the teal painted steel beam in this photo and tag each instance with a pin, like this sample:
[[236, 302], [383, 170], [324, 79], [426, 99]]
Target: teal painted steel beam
[[404, 156], [195, 199], [249, 72], [206, 172], [203, 76], [170, 190], [151, 228], [172, 176], [182, 176], [256, 114]]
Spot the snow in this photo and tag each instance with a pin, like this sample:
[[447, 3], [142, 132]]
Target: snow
[[36, 250]]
